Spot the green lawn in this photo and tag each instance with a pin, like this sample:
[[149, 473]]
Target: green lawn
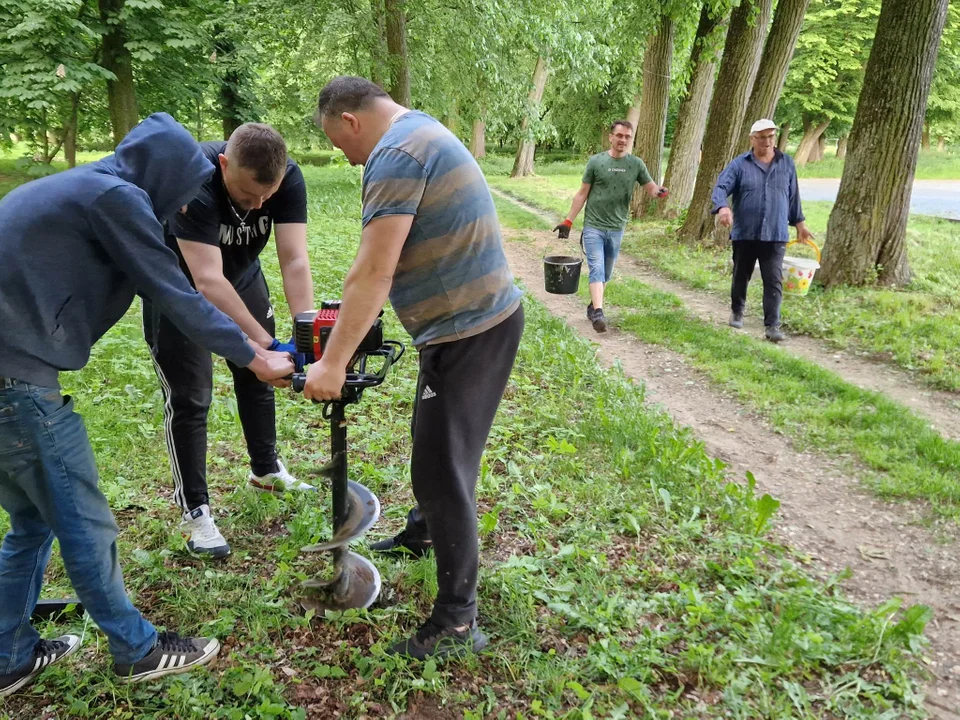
[[931, 164], [897, 453], [623, 575], [917, 327]]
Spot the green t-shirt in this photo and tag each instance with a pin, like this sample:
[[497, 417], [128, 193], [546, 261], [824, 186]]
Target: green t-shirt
[[611, 187]]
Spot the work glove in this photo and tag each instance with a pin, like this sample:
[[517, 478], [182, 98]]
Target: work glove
[[299, 359], [564, 229]]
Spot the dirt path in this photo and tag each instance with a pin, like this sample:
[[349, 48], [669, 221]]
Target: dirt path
[[825, 514], [941, 408]]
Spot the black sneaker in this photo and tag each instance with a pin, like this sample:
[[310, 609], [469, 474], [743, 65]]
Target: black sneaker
[[599, 321], [45, 654], [590, 312], [171, 655], [432, 640], [403, 543], [736, 321], [774, 334]]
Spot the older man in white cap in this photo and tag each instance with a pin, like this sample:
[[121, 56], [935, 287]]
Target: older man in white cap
[[766, 199]]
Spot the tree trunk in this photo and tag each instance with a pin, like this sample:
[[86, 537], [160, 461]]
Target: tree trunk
[[821, 148], [115, 57], [842, 147], [633, 117], [777, 53], [784, 137], [808, 145], [236, 101], [452, 119], [523, 164], [692, 116], [478, 139], [70, 131], [867, 227], [397, 49], [926, 137], [379, 54], [648, 139], [741, 56], [941, 143]]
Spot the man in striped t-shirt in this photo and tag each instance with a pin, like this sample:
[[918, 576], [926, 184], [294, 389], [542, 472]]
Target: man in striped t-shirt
[[431, 240]]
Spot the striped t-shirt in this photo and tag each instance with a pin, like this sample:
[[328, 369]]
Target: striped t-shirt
[[452, 280]]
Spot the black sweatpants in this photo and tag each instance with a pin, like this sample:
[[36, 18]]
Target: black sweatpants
[[185, 371], [459, 389], [745, 256]]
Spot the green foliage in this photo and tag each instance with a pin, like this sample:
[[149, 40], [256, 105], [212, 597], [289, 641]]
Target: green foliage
[[943, 108], [47, 51], [826, 73]]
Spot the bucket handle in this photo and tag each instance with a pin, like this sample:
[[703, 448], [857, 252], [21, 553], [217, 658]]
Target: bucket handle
[[811, 243]]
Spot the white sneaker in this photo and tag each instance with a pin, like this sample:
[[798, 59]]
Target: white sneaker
[[202, 535], [279, 482]]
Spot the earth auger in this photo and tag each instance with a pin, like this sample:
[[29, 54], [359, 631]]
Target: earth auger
[[355, 582]]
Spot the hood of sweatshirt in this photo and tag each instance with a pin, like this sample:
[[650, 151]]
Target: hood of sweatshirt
[[158, 148]]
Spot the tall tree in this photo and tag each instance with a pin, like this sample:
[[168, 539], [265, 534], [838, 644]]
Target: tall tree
[[396, 26], [867, 227], [774, 64], [116, 57], [237, 103], [47, 48], [827, 69], [523, 163], [652, 123], [741, 55], [692, 116]]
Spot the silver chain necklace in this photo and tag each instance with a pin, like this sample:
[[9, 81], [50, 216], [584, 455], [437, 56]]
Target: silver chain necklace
[[241, 220]]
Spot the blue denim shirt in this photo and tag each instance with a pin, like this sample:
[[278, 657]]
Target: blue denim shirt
[[765, 202]]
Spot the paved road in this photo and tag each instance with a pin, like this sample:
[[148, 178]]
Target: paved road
[[930, 197]]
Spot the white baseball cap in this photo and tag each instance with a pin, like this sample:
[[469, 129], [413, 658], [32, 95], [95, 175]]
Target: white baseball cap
[[761, 125]]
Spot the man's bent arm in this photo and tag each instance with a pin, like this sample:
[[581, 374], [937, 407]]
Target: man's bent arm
[[367, 285], [205, 263], [291, 240]]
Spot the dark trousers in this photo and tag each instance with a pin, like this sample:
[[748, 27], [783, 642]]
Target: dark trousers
[[745, 256], [458, 392], [185, 371]]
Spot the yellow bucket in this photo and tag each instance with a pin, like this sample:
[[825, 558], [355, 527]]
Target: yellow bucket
[[798, 272]]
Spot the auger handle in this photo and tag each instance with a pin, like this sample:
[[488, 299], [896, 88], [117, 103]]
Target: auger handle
[[391, 351]]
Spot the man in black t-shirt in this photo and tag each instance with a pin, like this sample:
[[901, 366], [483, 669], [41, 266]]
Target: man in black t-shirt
[[219, 237]]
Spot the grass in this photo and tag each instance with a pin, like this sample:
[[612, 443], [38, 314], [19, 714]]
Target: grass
[[623, 575], [931, 164], [819, 411], [916, 327]]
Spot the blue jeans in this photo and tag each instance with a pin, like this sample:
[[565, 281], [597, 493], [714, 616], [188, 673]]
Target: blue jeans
[[48, 486], [601, 248]]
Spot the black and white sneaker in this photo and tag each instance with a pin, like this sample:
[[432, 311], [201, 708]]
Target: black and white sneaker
[[170, 656], [201, 533], [45, 654]]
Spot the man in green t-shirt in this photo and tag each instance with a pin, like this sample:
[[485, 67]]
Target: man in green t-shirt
[[607, 189]]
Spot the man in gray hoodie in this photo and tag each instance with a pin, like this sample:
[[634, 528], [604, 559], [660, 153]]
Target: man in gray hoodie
[[75, 249]]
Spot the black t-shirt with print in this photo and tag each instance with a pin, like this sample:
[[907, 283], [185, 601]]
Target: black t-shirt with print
[[211, 218]]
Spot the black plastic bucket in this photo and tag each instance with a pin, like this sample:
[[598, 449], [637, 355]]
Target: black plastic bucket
[[561, 274]]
